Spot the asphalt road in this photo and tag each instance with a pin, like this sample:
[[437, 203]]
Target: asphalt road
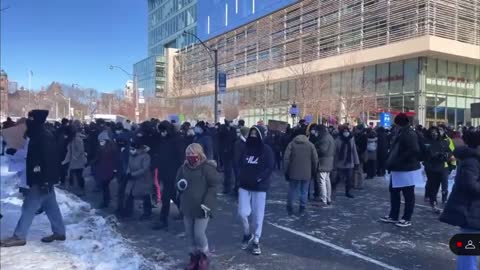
[[344, 236]]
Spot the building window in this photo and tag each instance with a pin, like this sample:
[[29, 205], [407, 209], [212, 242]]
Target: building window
[[442, 76], [382, 79], [410, 73], [395, 77]]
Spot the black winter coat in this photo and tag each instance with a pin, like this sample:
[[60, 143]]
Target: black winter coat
[[382, 146], [39, 156], [437, 153], [406, 157], [463, 205], [167, 156]]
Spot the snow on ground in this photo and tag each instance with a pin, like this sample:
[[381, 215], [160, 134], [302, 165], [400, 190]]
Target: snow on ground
[[92, 242]]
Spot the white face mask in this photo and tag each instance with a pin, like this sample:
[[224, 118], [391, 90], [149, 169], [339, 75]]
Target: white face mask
[[133, 151], [102, 143], [118, 131], [163, 134], [346, 134]]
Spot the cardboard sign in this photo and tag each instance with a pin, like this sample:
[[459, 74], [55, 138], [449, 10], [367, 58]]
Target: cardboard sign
[[14, 136], [277, 125]]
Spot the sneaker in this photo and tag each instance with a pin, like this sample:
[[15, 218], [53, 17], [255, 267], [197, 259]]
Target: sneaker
[[256, 249], [53, 237], [13, 242], [247, 241], [403, 223], [388, 219], [435, 209]]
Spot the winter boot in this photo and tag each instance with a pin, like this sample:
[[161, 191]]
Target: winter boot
[[13, 242], [289, 210], [247, 241], [203, 262], [53, 237], [193, 264]]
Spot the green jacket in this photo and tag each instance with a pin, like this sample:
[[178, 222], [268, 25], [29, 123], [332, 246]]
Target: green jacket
[[201, 188], [300, 159]]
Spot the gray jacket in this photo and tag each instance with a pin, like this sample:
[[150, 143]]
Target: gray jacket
[[326, 152], [76, 153], [301, 159], [141, 180], [345, 163]]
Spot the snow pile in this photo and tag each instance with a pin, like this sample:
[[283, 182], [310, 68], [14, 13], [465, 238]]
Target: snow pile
[[92, 241]]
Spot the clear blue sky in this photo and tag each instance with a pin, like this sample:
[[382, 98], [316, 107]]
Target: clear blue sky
[[72, 41]]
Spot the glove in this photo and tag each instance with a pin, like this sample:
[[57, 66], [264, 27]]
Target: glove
[[11, 151], [207, 211]]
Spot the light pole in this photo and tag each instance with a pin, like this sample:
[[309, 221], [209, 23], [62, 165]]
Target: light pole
[[215, 63], [69, 114], [135, 89]]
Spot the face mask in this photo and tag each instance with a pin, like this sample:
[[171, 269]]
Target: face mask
[[313, 132], [163, 134], [118, 131], [198, 130], [193, 160], [232, 125], [190, 133], [442, 133], [102, 143], [133, 151], [346, 134]]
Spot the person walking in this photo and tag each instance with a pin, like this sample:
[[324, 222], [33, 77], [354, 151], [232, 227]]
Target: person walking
[[301, 162], [346, 159], [168, 158], [204, 139], [436, 156], [254, 177], [76, 159], [105, 166], [382, 151], [372, 148], [238, 151], [404, 164], [42, 174], [463, 206], [197, 181], [123, 154], [325, 147], [226, 138], [139, 180]]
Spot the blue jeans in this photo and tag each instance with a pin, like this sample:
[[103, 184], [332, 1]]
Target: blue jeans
[[295, 187], [467, 262], [34, 200]]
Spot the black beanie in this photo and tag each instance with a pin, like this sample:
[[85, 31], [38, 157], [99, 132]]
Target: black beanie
[[401, 120], [39, 116]]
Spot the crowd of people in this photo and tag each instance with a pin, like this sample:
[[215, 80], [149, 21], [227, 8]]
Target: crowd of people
[[156, 162]]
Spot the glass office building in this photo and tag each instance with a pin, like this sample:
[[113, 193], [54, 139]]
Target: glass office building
[[347, 60], [167, 19]]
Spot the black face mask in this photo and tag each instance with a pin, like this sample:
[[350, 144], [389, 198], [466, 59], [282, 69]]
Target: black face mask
[[253, 141]]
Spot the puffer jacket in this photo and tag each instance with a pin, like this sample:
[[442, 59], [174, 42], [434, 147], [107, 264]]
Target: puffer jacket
[[300, 159], [463, 205], [326, 152], [405, 153], [202, 183], [76, 157], [141, 180]]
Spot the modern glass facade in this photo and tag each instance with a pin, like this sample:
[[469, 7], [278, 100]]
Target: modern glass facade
[[167, 19], [151, 76], [219, 16]]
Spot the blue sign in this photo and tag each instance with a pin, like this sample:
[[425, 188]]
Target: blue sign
[[222, 82], [294, 110], [386, 120], [308, 118]]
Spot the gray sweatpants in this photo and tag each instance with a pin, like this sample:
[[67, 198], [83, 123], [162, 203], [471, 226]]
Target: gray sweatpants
[[195, 229], [325, 187], [252, 203]]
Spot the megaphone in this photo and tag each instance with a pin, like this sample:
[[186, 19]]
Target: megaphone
[[182, 185]]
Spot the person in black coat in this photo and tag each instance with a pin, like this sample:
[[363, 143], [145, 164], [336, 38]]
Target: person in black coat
[[226, 139], [42, 174], [203, 137], [436, 156], [463, 205], [382, 151], [167, 158]]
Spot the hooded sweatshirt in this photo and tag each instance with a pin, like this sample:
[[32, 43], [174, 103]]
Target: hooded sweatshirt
[[257, 164], [301, 159]]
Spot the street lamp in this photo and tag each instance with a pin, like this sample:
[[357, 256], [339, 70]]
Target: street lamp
[[135, 88], [215, 63]]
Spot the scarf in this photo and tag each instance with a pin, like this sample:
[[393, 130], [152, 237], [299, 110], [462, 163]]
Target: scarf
[[346, 145]]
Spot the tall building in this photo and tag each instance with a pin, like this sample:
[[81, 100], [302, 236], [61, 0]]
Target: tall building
[[3, 94], [348, 60], [12, 86], [167, 20]]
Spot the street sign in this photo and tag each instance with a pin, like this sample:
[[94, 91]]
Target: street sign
[[141, 97], [386, 120], [222, 82]]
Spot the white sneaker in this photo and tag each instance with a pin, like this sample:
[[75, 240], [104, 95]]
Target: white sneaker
[[403, 223]]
